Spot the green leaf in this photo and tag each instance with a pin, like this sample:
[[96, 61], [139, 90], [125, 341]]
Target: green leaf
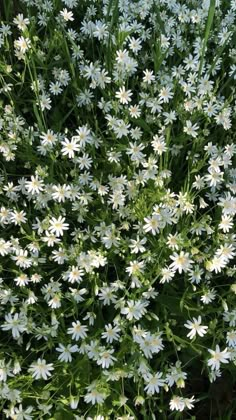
[[207, 33], [143, 124]]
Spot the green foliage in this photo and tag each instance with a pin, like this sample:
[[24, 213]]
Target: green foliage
[[117, 209]]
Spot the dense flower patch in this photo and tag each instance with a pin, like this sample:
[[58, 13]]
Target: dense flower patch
[[117, 208]]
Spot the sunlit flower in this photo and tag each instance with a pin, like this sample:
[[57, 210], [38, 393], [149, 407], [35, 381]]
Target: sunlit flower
[[40, 369], [218, 357], [67, 15], [195, 327]]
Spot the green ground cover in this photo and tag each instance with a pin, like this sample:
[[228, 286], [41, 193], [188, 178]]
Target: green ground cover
[[117, 209]]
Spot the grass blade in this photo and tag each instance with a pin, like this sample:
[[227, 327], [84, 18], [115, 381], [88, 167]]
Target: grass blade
[[207, 32]]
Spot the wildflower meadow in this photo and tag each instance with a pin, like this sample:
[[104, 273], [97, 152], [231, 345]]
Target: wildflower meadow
[[117, 209]]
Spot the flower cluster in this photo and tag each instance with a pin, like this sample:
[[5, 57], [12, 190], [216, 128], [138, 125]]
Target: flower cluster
[[117, 207]]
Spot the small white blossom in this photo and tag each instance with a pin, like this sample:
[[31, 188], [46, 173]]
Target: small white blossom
[[77, 331], [218, 357], [67, 15], [195, 327], [41, 370]]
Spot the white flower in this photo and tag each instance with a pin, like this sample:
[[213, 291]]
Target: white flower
[[40, 369], [153, 382], [5, 370], [55, 88], [218, 357], [179, 403], [70, 147], [18, 217], [135, 267], [166, 275], [137, 245], [165, 95], [111, 334], [226, 251], [66, 351], [226, 223], [121, 129], [153, 224], [57, 226], [148, 77], [208, 296], [50, 238], [122, 56], [55, 302], [83, 136], [170, 117], [134, 111], [172, 241], [196, 328], [23, 414], [124, 95], [21, 258], [217, 263], [191, 129], [35, 185], [74, 401], [92, 349], [84, 161], [22, 280], [176, 376], [135, 151], [77, 330], [48, 138], [67, 15], [110, 239], [150, 344], [181, 262], [94, 397], [135, 44], [14, 323], [231, 338], [107, 295], [74, 274], [21, 22], [213, 375], [5, 247], [78, 294], [61, 192], [159, 145], [22, 44], [45, 102], [106, 359], [214, 177], [100, 31], [134, 310]]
